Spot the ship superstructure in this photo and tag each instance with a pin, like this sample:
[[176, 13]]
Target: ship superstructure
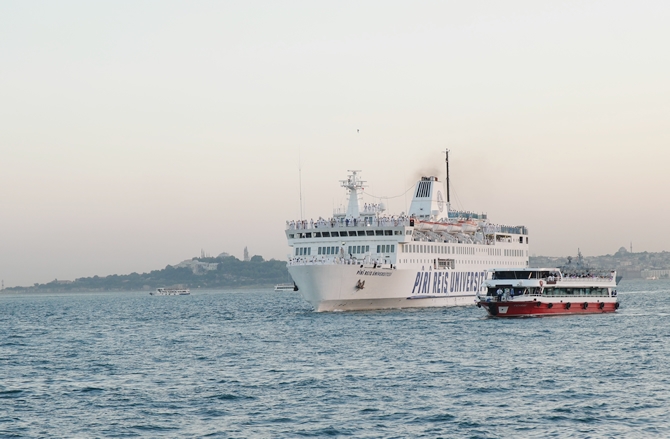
[[364, 258]]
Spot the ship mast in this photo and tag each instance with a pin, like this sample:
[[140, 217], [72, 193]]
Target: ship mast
[[446, 160], [353, 185]]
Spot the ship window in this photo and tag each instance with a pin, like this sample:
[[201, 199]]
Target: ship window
[[319, 252], [326, 234], [308, 235], [409, 232], [392, 248], [379, 232], [388, 232], [317, 234], [361, 233], [351, 233], [290, 236], [334, 234], [370, 232], [358, 249]]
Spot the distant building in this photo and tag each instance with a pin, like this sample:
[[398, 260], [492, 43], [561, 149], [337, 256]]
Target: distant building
[[197, 267], [246, 254]]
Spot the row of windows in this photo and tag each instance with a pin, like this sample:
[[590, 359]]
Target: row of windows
[[355, 249], [549, 291], [334, 234], [386, 248], [303, 251], [453, 250], [576, 292], [327, 250], [512, 252]]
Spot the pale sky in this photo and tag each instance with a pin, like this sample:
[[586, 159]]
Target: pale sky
[[134, 134]]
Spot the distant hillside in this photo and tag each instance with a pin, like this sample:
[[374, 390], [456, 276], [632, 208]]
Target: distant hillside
[[626, 263], [212, 273]]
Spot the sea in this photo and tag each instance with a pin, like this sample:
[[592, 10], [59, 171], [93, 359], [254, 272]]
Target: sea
[[261, 364]]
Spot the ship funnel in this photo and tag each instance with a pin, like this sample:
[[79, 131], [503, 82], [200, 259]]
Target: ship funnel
[[428, 201]]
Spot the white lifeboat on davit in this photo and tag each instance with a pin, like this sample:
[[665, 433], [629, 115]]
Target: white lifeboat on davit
[[440, 227], [422, 225], [454, 228], [468, 226]]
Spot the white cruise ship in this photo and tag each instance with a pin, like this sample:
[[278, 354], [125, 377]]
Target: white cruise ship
[[431, 256]]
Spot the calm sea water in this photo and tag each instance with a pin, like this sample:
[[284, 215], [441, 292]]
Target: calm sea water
[[262, 364]]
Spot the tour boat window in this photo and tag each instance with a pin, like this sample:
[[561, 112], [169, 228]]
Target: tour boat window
[[351, 233], [290, 236], [388, 232], [325, 234], [308, 235], [361, 233], [370, 232]]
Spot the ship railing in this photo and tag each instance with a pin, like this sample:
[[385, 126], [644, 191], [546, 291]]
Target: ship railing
[[340, 261], [336, 223], [587, 279]]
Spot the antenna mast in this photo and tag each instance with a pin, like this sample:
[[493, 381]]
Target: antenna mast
[[446, 152], [300, 182]]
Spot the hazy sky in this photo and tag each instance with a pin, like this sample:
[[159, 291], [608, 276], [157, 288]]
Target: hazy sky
[[133, 134]]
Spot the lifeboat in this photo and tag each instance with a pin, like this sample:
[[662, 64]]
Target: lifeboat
[[468, 226], [440, 227], [423, 225], [454, 228]]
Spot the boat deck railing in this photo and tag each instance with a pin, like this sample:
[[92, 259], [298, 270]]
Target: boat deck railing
[[335, 223], [401, 221]]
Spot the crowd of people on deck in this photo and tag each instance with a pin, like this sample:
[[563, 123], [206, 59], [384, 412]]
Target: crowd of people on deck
[[321, 223]]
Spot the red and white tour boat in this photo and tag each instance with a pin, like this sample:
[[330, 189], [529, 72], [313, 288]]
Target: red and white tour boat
[[516, 292]]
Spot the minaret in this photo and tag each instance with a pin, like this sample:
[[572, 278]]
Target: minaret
[[246, 254]]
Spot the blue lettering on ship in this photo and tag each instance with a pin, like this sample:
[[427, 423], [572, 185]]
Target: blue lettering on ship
[[445, 282]]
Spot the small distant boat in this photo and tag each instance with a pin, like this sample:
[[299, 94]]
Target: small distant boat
[[286, 287], [170, 292]]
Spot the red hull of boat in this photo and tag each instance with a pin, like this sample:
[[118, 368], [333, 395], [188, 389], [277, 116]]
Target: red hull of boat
[[520, 309]]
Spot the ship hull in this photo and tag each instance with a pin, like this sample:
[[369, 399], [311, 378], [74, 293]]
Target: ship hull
[[337, 287], [540, 308]]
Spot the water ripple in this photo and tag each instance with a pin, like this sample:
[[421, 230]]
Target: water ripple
[[262, 364]]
